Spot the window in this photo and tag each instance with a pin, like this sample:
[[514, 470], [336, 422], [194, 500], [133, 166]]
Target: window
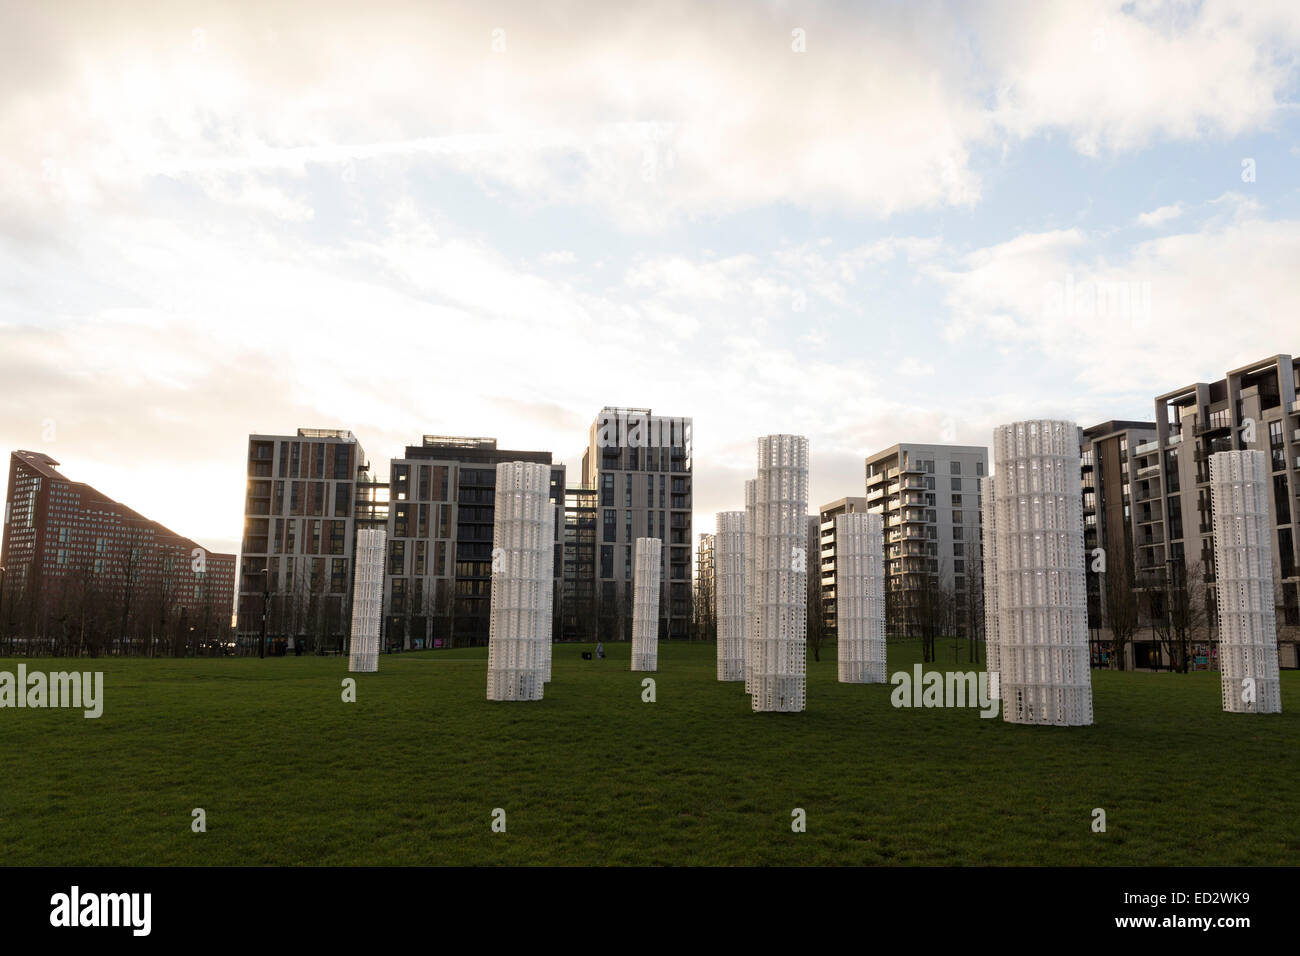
[[611, 525], [979, 468], [607, 489], [956, 467], [956, 484], [958, 532], [956, 501]]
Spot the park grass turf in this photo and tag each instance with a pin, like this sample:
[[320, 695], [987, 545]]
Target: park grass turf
[[410, 773]]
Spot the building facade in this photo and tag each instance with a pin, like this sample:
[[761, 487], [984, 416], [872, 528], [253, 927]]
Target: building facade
[[1115, 490], [438, 580], [929, 499], [1251, 408], [305, 493], [825, 554], [640, 465], [82, 570]]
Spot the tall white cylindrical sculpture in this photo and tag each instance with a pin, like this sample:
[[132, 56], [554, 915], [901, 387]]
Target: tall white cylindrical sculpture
[[729, 577], [522, 578], [1243, 580], [781, 574], [989, 570], [367, 600], [646, 563], [751, 612], [1042, 596], [860, 597]]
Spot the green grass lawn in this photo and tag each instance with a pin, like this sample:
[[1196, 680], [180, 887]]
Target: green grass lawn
[[410, 773]]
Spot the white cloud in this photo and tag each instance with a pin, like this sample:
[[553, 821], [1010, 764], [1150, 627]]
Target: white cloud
[[1158, 217]]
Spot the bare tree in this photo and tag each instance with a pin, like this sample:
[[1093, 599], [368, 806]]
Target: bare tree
[[1119, 591], [817, 630], [1186, 610]]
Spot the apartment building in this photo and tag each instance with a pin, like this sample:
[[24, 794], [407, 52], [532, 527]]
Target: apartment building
[[578, 588], [304, 494], [640, 465], [929, 499], [70, 551], [442, 503], [824, 554], [1115, 490], [1252, 407]]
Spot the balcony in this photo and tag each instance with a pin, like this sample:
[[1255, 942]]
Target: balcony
[[1219, 421], [1146, 448], [1150, 471], [1085, 462], [1295, 407]]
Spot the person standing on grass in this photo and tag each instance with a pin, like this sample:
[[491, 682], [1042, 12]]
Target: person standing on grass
[[600, 651]]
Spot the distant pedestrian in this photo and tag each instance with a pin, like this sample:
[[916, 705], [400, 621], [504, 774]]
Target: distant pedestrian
[[600, 651]]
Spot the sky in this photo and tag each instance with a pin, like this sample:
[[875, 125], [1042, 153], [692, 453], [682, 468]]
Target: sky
[[862, 222]]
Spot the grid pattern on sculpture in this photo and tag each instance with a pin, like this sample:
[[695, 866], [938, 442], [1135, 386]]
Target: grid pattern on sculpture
[[1041, 589], [646, 561], [860, 597], [1243, 565], [519, 635], [367, 600], [729, 575], [781, 576]]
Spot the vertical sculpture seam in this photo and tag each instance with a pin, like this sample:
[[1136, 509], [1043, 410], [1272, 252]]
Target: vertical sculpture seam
[[647, 563], [523, 560], [367, 600], [1042, 594], [1243, 581], [781, 574], [729, 576], [860, 597]]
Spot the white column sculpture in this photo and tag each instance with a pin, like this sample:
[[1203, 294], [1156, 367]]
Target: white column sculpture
[[729, 577], [367, 600], [781, 574], [646, 563], [860, 597], [1243, 580], [751, 613], [1042, 596], [522, 578], [989, 571]]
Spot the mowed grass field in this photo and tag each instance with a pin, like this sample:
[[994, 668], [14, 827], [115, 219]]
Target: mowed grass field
[[411, 773]]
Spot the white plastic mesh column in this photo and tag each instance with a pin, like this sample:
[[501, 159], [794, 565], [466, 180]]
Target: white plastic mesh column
[[1243, 579], [522, 577], [992, 650], [546, 620], [860, 597], [646, 562], [1042, 597], [729, 577], [751, 612], [781, 574], [367, 600]]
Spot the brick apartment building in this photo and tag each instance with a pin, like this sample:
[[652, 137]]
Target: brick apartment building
[[82, 571]]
